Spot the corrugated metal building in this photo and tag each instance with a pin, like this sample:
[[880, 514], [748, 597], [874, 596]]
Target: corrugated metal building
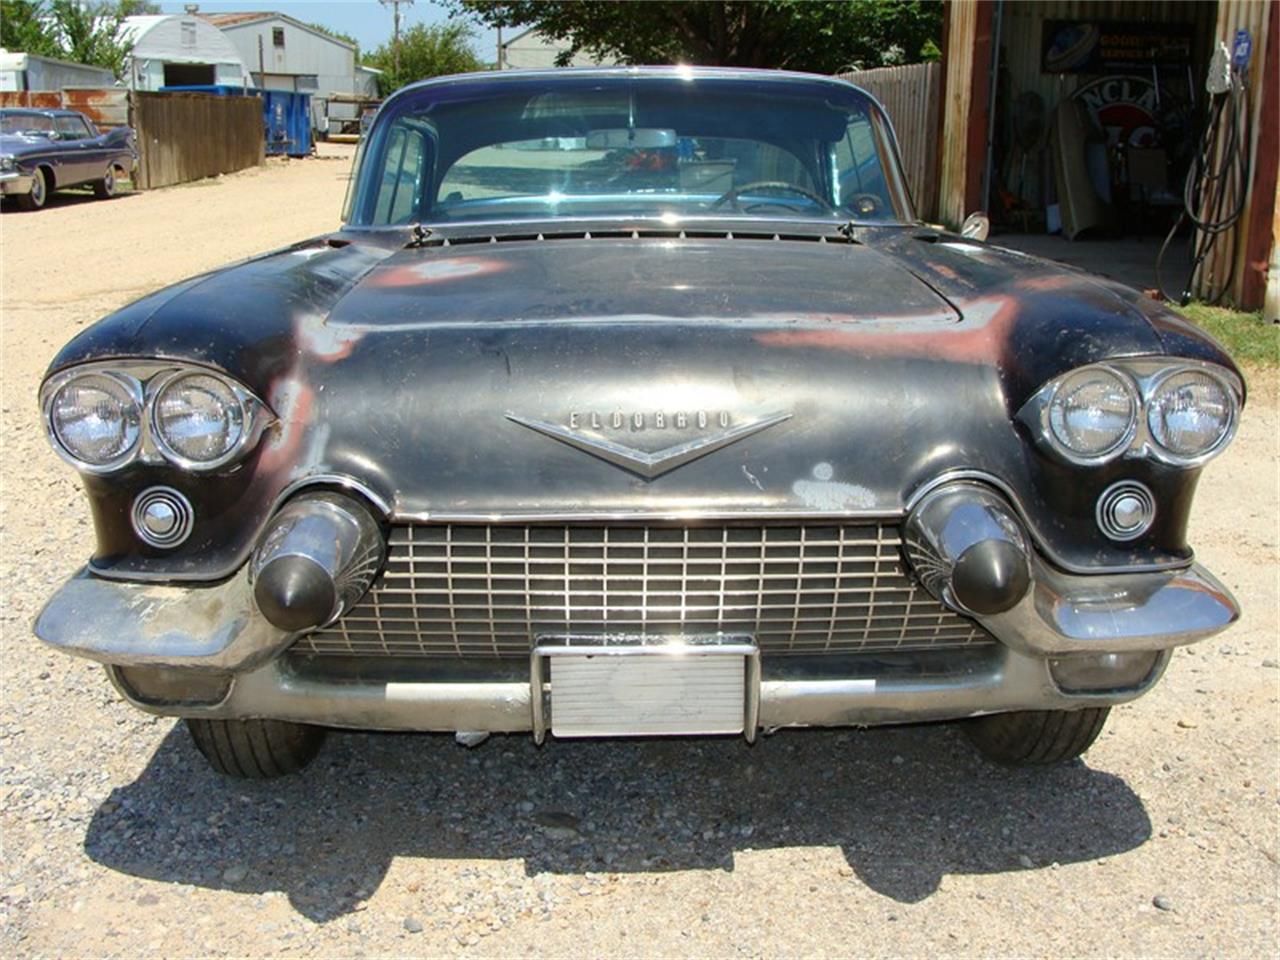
[[179, 50], [286, 54], [1128, 77], [533, 50], [28, 71]]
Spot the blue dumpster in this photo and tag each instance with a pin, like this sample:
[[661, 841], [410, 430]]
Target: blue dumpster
[[286, 114]]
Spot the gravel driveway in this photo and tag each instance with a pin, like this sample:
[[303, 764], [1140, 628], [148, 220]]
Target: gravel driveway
[[117, 840]]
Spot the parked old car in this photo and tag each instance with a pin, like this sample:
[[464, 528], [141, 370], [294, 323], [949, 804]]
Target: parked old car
[[637, 402], [46, 150]]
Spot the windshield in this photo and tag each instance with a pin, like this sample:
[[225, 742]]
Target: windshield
[[25, 123], [628, 146]]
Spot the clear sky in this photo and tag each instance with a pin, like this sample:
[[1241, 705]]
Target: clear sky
[[367, 20]]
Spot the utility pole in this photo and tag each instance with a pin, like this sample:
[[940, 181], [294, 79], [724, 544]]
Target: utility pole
[[395, 34]]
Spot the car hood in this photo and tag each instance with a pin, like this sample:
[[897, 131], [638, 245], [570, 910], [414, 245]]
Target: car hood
[[585, 281], [14, 145], [634, 377]]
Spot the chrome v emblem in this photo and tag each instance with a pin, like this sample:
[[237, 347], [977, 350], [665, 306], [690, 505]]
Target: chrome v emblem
[[649, 465]]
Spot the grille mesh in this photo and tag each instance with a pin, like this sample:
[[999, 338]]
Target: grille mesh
[[476, 591]]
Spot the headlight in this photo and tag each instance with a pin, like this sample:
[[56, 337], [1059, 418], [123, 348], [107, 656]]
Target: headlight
[[1190, 414], [1093, 413], [8, 163], [96, 420], [198, 420]]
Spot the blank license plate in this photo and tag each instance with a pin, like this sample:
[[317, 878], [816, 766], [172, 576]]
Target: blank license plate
[[651, 694]]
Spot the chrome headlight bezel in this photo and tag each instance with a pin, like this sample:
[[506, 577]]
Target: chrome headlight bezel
[[1158, 449], [132, 389], [1123, 439], [145, 379], [242, 397], [8, 164], [1145, 377]]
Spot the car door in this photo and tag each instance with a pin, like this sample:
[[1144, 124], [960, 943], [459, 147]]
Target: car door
[[79, 153]]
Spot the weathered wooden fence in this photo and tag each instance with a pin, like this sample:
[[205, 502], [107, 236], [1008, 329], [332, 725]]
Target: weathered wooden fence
[[181, 136], [189, 136], [911, 95]]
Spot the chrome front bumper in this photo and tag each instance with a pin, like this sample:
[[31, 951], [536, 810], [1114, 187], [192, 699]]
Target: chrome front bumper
[[217, 630], [873, 690], [12, 182]]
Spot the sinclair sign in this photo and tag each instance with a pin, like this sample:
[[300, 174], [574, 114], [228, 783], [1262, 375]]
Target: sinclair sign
[[1124, 107]]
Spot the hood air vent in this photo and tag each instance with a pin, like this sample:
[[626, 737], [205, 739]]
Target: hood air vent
[[645, 233]]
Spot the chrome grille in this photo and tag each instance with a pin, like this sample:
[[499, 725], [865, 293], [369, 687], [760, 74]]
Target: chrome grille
[[474, 591]]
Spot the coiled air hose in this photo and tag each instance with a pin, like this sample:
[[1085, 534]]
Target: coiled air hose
[[1213, 196]]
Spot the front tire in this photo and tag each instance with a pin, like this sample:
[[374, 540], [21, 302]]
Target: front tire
[[1037, 737], [105, 188], [256, 749], [34, 198]]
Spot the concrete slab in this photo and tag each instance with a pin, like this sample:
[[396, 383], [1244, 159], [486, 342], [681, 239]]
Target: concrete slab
[[1132, 262]]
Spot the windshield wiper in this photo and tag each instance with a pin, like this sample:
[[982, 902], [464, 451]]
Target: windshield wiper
[[849, 230], [419, 238]]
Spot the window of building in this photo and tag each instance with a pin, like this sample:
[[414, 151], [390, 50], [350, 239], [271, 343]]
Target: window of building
[[188, 33], [277, 36], [307, 81]]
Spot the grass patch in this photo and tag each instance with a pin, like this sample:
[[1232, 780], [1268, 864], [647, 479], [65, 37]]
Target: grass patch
[[1247, 338]]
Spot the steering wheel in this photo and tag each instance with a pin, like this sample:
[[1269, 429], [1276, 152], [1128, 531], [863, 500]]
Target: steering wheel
[[865, 204], [731, 195]]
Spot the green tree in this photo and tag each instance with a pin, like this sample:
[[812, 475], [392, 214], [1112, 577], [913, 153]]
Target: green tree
[[77, 30], [24, 28], [824, 36], [424, 52]]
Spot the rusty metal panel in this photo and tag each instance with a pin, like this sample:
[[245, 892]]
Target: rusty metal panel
[[189, 136], [25, 98], [910, 96], [107, 107]]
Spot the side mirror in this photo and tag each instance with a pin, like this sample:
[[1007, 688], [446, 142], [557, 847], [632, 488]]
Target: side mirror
[[976, 226]]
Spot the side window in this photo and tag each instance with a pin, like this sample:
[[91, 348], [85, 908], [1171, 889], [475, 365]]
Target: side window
[[859, 165], [402, 176], [72, 128]]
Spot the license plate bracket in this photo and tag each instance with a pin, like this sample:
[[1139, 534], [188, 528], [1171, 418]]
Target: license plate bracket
[[625, 686]]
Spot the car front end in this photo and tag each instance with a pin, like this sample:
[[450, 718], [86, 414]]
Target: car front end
[[575, 464], [15, 177]]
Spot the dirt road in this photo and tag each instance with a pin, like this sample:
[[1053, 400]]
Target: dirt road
[[117, 840]]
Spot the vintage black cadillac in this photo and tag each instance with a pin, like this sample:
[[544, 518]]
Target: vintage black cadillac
[[637, 402]]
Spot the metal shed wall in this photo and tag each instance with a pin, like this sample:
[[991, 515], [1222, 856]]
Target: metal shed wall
[[1021, 26], [28, 71], [306, 53], [1232, 261]]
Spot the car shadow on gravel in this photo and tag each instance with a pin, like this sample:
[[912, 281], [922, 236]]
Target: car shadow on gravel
[[72, 197], [905, 805]]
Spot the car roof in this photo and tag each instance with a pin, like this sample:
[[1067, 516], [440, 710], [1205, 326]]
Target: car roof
[[40, 112], [746, 75]]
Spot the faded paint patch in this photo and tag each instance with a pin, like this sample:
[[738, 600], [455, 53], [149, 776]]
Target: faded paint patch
[[324, 341], [825, 494], [438, 271]]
